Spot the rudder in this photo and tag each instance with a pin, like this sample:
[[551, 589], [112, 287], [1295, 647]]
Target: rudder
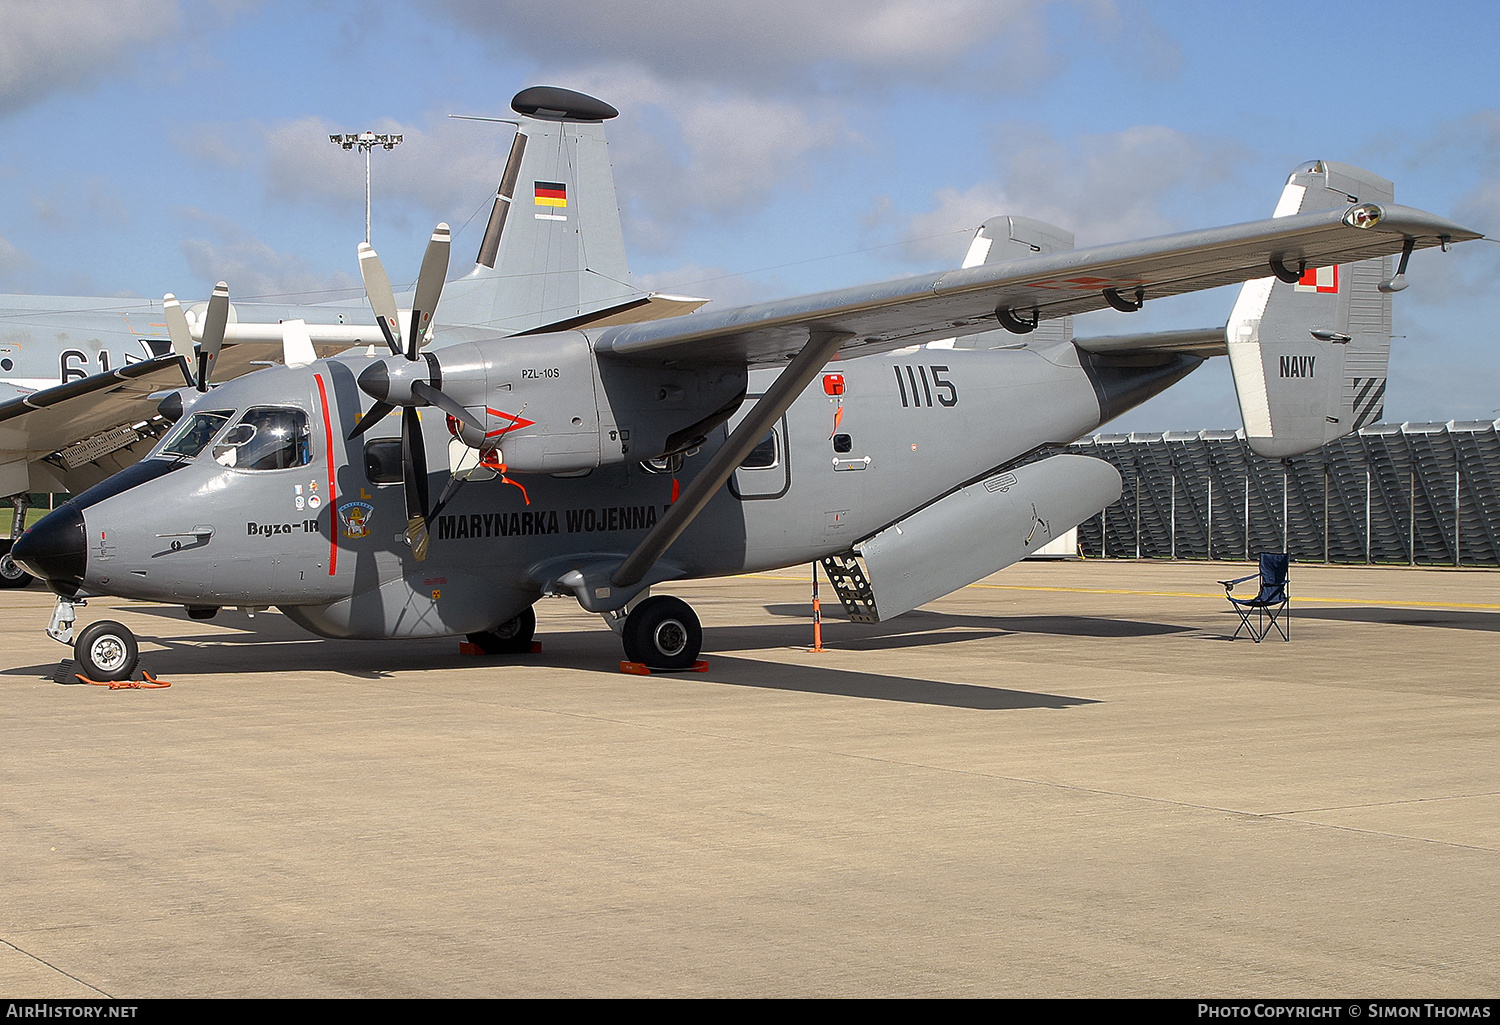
[[1309, 357]]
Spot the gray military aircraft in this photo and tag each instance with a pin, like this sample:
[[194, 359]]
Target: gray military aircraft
[[851, 428], [81, 378]]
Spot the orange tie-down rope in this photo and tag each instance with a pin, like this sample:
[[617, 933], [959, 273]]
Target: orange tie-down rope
[[148, 683]]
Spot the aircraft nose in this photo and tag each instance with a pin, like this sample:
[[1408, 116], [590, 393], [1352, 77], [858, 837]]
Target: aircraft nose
[[56, 550]]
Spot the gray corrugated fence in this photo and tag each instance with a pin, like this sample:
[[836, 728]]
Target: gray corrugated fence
[[1421, 494]]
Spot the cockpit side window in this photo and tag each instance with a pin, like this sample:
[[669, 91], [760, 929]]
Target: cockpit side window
[[193, 435], [268, 438]]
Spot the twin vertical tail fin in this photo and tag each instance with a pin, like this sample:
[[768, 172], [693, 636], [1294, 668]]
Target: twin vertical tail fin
[[1309, 356]]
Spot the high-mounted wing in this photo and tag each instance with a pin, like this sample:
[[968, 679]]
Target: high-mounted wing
[[1021, 293], [1018, 294], [83, 422]]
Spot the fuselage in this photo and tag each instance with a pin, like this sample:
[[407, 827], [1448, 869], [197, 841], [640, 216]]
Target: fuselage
[[314, 523]]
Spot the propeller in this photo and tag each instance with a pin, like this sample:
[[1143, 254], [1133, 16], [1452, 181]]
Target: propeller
[[382, 299], [215, 320], [409, 378], [214, 323]]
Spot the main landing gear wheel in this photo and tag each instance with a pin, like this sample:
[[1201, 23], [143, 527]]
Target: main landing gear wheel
[[11, 575], [513, 637], [663, 632], [106, 651]]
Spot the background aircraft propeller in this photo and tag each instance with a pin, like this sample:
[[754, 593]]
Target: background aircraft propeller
[[215, 320]]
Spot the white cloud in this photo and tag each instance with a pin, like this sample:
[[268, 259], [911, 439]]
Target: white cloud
[[723, 287], [95, 204], [679, 159], [761, 41], [255, 270], [46, 47], [442, 169], [11, 258], [1104, 188]]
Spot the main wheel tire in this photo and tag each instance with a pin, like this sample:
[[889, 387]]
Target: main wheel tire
[[11, 574], [106, 651], [663, 632], [513, 637]]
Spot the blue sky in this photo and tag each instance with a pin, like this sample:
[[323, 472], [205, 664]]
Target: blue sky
[[763, 149]]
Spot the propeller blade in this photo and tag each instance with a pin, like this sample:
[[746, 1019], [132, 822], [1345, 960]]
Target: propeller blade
[[429, 287], [177, 325], [414, 465], [214, 323], [376, 414], [448, 404], [382, 299]]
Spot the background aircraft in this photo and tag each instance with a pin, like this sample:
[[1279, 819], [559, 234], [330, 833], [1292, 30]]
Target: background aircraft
[[566, 447]]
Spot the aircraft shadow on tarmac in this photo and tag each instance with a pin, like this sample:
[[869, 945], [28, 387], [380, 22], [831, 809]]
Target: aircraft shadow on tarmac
[[1450, 619], [281, 647], [917, 627]]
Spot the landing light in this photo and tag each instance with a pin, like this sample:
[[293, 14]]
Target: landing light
[[1366, 215]]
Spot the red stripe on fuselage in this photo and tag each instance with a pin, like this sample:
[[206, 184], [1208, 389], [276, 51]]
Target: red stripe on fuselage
[[333, 514]]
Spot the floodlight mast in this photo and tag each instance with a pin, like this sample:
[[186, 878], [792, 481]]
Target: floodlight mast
[[366, 141]]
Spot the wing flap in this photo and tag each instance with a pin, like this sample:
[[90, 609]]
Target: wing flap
[[959, 302]]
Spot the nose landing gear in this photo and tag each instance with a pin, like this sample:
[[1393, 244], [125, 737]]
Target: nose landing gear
[[106, 651]]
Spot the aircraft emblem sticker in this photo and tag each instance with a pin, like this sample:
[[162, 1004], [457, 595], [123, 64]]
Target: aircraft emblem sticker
[[356, 518], [554, 194], [1319, 279]]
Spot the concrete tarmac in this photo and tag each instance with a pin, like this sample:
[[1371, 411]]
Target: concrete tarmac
[[1062, 781]]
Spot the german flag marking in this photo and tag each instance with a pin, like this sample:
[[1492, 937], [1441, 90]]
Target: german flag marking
[[551, 193]]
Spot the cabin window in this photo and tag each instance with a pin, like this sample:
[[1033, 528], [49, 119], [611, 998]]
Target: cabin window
[[193, 435], [383, 461], [267, 438], [763, 456]]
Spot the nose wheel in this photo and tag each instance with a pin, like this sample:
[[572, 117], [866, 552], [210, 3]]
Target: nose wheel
[[663, 632], [106, 651]]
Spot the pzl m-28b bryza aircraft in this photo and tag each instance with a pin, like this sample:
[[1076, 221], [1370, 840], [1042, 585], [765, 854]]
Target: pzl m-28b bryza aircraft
[[601, 461]]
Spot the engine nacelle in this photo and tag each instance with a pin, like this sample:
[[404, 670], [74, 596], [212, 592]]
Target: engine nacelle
[[550, 405]]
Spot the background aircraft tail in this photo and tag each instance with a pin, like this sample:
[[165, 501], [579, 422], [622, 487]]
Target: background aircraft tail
[[1000, 240], [553, 253], [1309, 358]]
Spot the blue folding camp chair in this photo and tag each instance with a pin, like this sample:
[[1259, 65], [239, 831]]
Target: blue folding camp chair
[[1272, 606]]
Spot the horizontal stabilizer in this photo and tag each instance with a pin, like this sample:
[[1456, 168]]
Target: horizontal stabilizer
[[1197, 341]]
